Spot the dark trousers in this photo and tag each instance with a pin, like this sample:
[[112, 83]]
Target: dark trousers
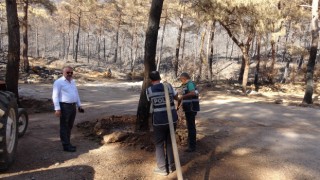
[[68, 115], [191, 125], [164, 152]]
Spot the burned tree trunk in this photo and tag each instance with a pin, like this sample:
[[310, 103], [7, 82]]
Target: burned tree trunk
[[133, 48], [37, 42], [257, 71], [313, 53], [161, 42], [69, 39], [201, 54], [149, 63], [240, 78], [246, 61], [272, 71], [77, 39], [117, 40], [12, 72], [25, 45], [210, 50], [286, 71], [176, 59], [104, 48]]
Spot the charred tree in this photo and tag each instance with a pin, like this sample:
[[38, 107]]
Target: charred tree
[[286, 71], [63, 48], [273, 54], [12, 72], [88, 48], [104, 49], [149, 63], [77, 38], [183, 45], [69, 39], [313, 53], [257, 71], [37, 42], [286, 42], [134, 47], [210, 50], [240, 78], [201, 54], [161, 42], [117, 39], [300, 62], [25, 45], [176, 59], [244, 47]]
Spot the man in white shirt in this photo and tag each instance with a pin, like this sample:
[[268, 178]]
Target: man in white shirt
[[65, 98]]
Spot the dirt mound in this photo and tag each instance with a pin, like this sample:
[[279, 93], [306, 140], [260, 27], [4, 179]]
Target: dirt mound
[[121, 129], [36, 106], [117, 129]]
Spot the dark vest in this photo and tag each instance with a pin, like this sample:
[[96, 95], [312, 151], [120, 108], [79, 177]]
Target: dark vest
[[158, 102], [190, 104]]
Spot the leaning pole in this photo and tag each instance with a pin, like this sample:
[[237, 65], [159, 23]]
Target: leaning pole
[[172, 133]]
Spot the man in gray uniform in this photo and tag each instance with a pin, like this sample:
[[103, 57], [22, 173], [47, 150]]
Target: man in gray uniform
[[164, 152]]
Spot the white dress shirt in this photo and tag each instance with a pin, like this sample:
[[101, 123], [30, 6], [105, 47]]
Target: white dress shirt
[[65, 91]]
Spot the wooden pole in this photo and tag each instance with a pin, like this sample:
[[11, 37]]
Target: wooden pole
[[172, 133]]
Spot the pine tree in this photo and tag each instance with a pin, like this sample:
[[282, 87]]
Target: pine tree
[[149, 62], [12, 72]]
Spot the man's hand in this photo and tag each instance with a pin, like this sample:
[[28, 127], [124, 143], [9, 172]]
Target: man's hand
[[80, 110], [58, 113]]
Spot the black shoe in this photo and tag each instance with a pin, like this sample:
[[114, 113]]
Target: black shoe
[[160, 172], [72, 146], [172, 169], [69, 149], [190, 150]]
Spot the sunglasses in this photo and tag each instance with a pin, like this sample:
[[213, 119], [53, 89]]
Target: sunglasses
[[69, 73]]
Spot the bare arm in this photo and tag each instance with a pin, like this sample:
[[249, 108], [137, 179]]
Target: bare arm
[[189, 95]]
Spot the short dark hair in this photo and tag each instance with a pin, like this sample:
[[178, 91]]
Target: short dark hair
[[65, 67], [184, 74], [154, 76]]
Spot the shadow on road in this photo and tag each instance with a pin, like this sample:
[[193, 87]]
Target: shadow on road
[[249, 140], [71, 173], [40, 147]]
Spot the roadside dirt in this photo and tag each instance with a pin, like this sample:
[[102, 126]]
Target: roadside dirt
[[261, 136], [238, 138]]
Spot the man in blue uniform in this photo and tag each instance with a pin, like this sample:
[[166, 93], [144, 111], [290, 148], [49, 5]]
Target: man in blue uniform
[[190, 105], [156, 96]]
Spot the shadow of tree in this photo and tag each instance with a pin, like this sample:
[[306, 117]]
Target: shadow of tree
[[245, 140], [71, 173]]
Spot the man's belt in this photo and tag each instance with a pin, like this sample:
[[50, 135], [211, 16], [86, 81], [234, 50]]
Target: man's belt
[[73, 104]]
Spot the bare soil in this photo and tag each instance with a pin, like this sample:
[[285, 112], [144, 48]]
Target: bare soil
[[265, 135]]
